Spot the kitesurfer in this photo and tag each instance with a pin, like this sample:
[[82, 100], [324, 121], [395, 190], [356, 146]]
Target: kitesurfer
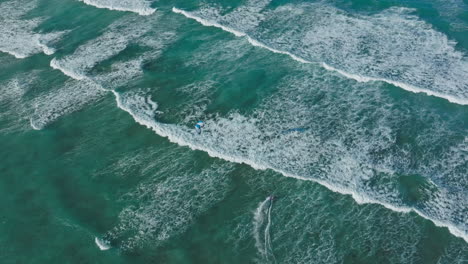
[[199, 126]]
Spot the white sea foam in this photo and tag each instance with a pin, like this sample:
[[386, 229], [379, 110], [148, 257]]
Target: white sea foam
[[89, 86], [14, 111], [102, 245], [237, 33], [47, 50], [407, 87], [80, 91], [165, 208], [313, 46], [57, 65], [73, 96], [113, 41], [315, 233], [208, 22], [121, 73], [452, 11], [141, 7], [17, 34]]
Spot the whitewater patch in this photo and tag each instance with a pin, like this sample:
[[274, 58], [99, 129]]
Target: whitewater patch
[[17, 34], [81, 90], [73, 96], [14, 111], [113, 41], [310, 47], [165, 208], [89, 86], [141, 7], [315, 232]]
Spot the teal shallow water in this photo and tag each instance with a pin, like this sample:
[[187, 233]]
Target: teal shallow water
[[97, 108]]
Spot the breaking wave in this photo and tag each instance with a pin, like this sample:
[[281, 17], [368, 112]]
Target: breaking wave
[[141, 7]]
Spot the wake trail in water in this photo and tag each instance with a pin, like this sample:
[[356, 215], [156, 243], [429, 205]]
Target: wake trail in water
[[356, 77], [261, 215], [267, 233]]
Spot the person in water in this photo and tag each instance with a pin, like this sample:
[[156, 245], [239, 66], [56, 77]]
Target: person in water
[[199, 126]]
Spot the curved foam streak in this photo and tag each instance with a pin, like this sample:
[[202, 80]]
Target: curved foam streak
[[142, 7], [178, 135], [258, 221], [102, 245], [356, 77], [33, 125]]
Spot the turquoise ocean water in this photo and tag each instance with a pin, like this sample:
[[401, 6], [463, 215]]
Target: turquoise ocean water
[[353, 114]]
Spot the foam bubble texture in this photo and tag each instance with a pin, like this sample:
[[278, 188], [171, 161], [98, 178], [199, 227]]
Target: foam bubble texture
[[166, 207], [15, 111], [89, 84], [114, 40], [73, 96], [17, 34]]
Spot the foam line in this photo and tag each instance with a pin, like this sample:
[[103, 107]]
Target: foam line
[[356, 77], [55, 64], [403, 86], [141, 7], [102, 245], [208, 23], [178, 136]]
